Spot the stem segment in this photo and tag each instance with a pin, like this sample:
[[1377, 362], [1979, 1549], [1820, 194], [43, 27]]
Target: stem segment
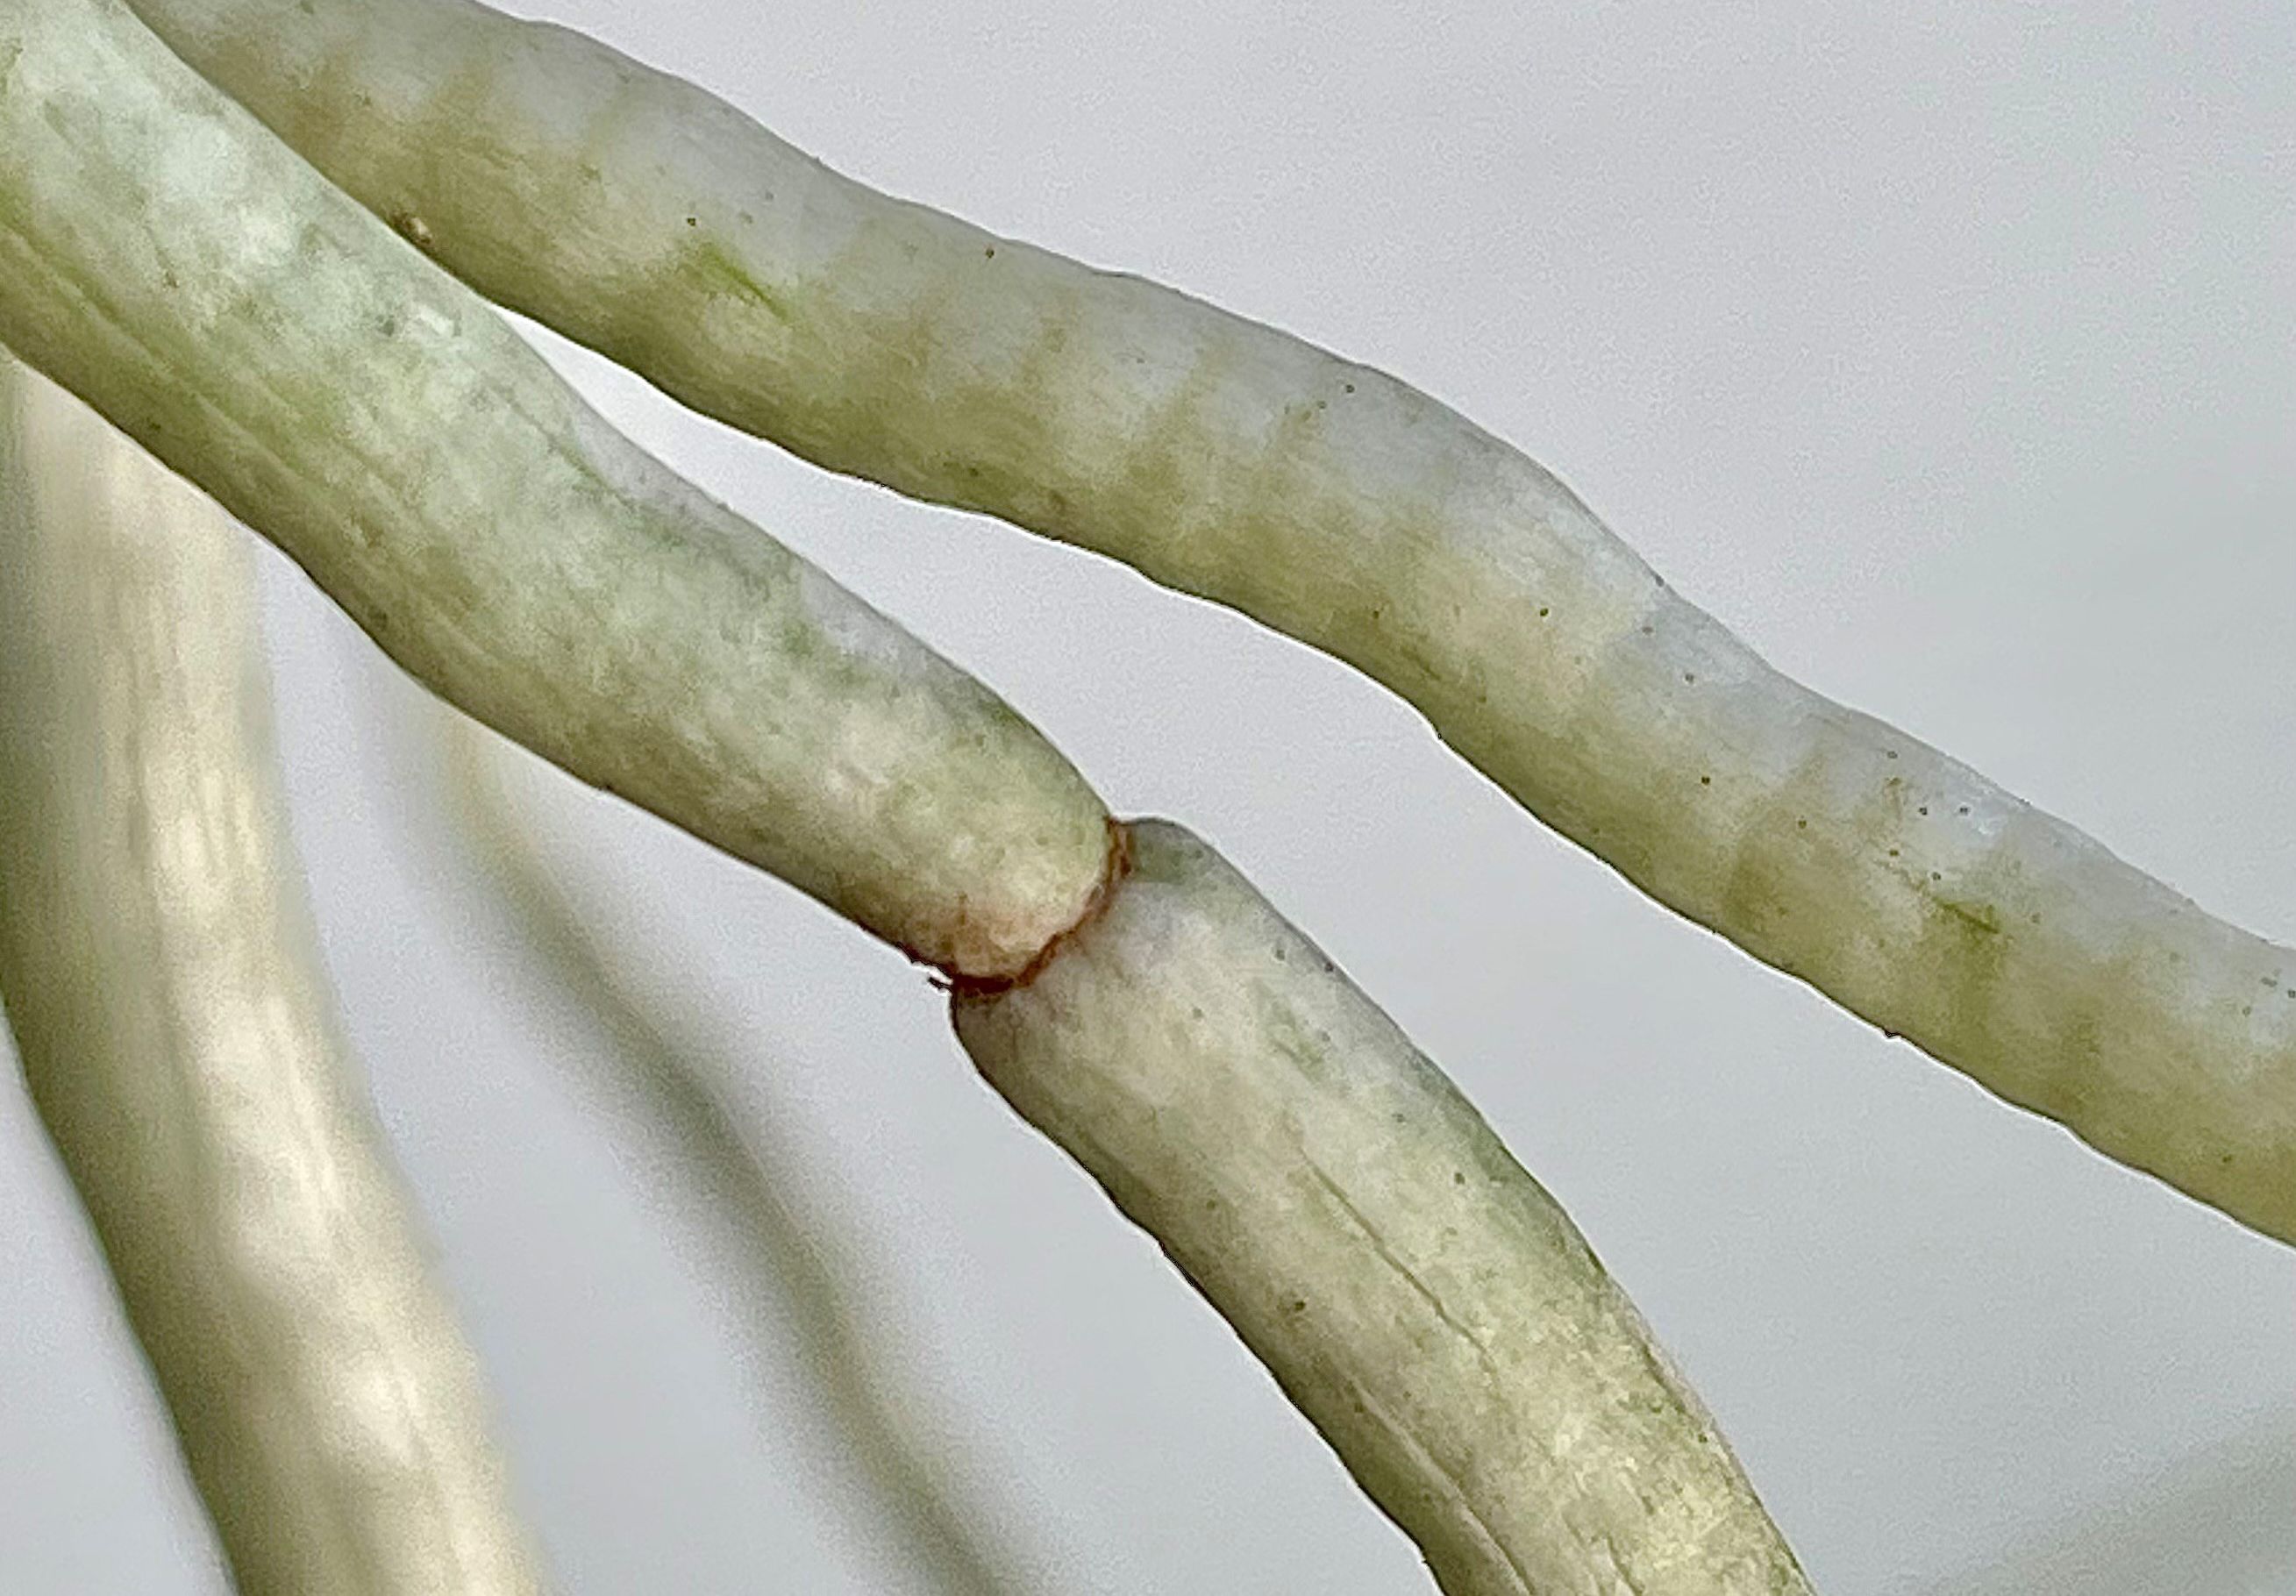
[[164, 256], [1422, 1300], [160, 976], [1420, 1296], [653, 222]]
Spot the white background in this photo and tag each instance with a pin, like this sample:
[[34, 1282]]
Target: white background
[[1950, 357]]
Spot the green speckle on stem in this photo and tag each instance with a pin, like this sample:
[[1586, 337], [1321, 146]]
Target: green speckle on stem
[[705, 265], [1981, 920], [1963, 953]]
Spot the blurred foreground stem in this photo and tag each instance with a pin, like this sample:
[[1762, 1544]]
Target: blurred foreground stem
[[159, 972]]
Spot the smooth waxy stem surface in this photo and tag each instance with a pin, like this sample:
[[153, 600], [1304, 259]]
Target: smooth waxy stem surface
[[657, 224], [169, 260], [159, 970], [1421, 1299]]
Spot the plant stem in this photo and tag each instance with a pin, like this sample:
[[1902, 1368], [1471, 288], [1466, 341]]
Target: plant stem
[[648, 219], [212, 294], [161, 977], [1422, 1300], [165, 258]]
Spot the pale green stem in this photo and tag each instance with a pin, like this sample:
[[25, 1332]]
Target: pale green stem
[[212, 294], [752, 1175], [160, 971], [167, 258], [640, 216], [1424, 1301]]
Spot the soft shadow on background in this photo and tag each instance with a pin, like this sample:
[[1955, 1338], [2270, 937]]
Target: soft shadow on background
[[2222, 1521], [1947, 353], [669, 1091]]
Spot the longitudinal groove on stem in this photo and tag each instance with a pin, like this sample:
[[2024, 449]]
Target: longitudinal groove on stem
[[1421, 1299], [660, 226]]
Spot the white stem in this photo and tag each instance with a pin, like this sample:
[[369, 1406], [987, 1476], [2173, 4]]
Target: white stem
[[637, 213], [1424, 1301], [159, 972], [167, 258]]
